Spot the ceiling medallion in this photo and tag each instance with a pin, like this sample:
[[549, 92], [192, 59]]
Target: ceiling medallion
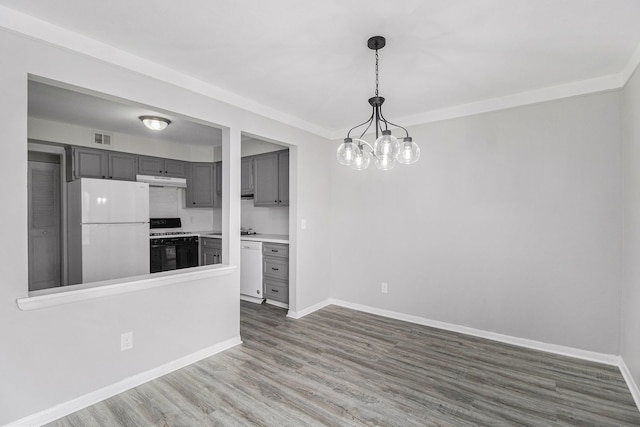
[[387, 149]]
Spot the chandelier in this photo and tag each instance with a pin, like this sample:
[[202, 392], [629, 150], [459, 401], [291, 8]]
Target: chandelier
[[387, 149]]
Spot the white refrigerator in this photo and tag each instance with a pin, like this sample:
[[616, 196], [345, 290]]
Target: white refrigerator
[[108, 229]]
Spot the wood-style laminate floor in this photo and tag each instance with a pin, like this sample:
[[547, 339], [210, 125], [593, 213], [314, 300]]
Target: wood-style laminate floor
[[341, 367]]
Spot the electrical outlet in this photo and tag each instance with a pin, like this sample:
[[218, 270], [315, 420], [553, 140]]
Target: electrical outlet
[[385, 288], [126, 341]]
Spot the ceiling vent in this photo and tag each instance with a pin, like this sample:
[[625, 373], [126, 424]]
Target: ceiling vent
[[102, 138]]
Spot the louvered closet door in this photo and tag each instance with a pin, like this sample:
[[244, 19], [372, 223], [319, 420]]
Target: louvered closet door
[[44, 225]]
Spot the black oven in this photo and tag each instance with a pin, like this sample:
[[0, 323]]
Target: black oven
[[173, 253]]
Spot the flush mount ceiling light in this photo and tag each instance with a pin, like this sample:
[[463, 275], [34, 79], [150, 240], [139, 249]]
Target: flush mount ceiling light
[[387, 149], [155, 123]]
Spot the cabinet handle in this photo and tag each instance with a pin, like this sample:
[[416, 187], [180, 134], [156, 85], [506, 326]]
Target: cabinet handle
[[274, 290], [274, 269], [103, 177], [279, 201], [275, 201], [194, 203], [166, 172], [274, 250]]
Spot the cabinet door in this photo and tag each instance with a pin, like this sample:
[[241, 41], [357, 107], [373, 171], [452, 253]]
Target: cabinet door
[[209, 256], [122, 166], [265, 170], [218, 185], [89, 163], [200, 186], [175, 168], [283, 178], [150, 166], [275, 289], [246, 176], [276, 268]]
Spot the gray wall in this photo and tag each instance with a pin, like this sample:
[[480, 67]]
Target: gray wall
[[52, 355], [510, 223], [630, 342]]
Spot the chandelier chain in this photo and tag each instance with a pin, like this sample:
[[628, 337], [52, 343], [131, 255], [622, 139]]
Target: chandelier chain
[[376, 72]]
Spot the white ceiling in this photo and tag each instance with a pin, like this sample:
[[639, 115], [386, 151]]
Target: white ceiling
[[309, 60], [89, 110]]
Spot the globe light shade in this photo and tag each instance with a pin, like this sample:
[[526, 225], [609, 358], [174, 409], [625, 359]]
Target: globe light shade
[[347, 152], [362, 160], [385, 163], [409, 152], [155, 123], [386, 145]]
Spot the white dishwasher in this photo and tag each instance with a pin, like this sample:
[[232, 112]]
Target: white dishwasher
[[251, 271]]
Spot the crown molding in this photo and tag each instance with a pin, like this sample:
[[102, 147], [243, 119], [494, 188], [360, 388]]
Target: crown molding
[[584, 87], [29, 26], [632, 66]]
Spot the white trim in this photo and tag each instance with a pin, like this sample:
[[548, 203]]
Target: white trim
[[633, 387], [71, 406], [27, 25], [76, 293], [584, 87], [607, 359], [309, 310], [631, 66]]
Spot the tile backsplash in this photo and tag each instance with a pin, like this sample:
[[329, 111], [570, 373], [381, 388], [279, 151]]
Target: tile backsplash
[[167, 202]]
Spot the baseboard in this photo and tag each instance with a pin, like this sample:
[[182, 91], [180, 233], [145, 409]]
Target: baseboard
[[309, 310], [607, 359], [633, 387], [66, 408], [276, 303]]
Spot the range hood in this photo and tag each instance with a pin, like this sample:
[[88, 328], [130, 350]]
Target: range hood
[[162, 181]]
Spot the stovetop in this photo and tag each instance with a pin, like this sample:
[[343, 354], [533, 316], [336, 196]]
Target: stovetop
[[173, 233]]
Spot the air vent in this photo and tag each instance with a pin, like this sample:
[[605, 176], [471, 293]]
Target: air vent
[[102, 138]]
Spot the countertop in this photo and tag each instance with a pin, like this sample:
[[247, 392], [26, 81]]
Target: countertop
[[269, 238]]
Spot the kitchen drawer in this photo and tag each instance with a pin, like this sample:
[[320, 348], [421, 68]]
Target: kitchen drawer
[[275, 249], [275, 268], [211, 243], [276, 290]]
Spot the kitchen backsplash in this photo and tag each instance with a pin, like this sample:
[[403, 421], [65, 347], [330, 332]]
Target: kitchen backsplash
[[264, 220], [167, 202]]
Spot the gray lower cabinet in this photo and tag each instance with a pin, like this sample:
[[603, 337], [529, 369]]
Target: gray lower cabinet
[[275, 272], [210, 251], [92, 163], [271, 179], [157, 166], [201, 189]]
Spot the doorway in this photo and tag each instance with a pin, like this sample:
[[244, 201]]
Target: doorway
[[44, 221]]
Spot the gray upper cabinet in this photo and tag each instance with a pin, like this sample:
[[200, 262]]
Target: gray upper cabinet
[[201, 187], [246, 177], [217, 166], [92, 163], [269, 170], [158, 166], [122, 166], [150, 165], [175, 168], [86, 163], [283, 178], [265, 169]]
